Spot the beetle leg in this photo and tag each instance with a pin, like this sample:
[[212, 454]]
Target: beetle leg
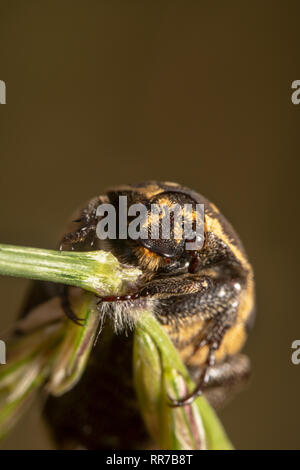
[[225, 379], [66, 306], [213, 345], [78, 236], [213, 310], [165, 286], [88, 220], [116, 298]]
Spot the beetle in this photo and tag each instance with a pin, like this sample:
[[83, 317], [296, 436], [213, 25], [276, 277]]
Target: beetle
[[204, 298]]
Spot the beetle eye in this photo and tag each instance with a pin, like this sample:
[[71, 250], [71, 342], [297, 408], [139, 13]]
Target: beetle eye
[[166, 223], [166, 248]]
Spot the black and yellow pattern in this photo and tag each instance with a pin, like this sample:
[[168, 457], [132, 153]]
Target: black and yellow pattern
[[205, 300]]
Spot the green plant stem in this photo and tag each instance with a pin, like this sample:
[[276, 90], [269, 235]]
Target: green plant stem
[[100, 272], [95, 271], [214, 431]]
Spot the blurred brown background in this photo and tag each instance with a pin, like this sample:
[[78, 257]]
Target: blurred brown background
[[107, 92]]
